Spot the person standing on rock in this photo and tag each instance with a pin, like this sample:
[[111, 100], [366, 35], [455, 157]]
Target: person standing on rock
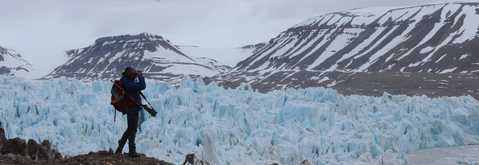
[[133, 83]]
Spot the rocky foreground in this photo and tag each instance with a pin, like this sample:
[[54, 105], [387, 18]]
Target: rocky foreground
[[93, 158], [18, 151]]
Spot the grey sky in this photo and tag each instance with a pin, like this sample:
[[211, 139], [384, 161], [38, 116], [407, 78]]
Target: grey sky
[[42, 30]]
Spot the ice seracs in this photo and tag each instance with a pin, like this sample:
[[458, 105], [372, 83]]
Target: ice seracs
[[240, 126]]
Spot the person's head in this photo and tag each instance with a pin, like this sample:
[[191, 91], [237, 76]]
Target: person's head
[[130, 73]]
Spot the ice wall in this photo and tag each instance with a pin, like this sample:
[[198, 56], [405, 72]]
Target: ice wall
[[240, 126]]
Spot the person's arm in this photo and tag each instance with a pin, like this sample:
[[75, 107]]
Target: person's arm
[[130, 85], [142, 82]]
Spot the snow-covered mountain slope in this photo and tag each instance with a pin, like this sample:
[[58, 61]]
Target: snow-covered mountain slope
[[432, 38], [240, 127], [224, 56], [213, 63], [439, 38], [12, 63], [108, 56]]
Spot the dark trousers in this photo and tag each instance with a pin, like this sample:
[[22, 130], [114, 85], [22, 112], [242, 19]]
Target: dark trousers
[[130, 133]]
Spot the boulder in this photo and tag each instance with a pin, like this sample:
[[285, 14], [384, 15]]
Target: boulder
[[190, 159], [305, 162], [29, 149], [3, 138], [15, 146]]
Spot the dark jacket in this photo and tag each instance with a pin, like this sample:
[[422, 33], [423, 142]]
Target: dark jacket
[[134, 87]]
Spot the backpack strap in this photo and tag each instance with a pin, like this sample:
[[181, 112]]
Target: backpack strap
[[142, 95], [150, 109]]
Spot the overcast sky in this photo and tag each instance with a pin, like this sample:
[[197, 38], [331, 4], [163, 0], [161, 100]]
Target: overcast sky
[[41, 30]]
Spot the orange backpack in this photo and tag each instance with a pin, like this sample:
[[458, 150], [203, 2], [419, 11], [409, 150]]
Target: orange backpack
[[119, 100], [122, 102]]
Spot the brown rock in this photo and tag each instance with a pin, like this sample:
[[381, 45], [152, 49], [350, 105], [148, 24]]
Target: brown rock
[[15, 146], [305, 162], [3, 138], [191, 159], [46, 143], [107, 157], [19, 152], [32, 149]]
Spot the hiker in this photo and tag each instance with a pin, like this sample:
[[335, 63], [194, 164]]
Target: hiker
[[133, 83]]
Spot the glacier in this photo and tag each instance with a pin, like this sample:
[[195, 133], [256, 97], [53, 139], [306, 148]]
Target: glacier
[[240, 126]]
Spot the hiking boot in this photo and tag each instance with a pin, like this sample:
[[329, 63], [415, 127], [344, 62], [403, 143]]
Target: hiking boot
[[133, 155], [118, 151]]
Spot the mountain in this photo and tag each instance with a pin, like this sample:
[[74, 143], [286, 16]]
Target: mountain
[[437, 38], [12, 63], [333, 48], [222, 56], [213, 63], [108, 56], [222, 59], [254, 47]]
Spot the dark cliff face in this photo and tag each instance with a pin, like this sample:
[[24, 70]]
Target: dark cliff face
[[339, 47], [108, 56], [254, 47], [12, 63]]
